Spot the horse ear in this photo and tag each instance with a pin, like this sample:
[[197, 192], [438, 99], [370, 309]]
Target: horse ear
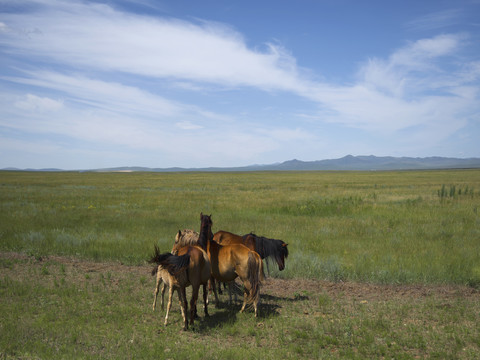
[[201, 215], [210, 215], [284, 244]]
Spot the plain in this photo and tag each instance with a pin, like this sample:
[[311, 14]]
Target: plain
[[415, 232]]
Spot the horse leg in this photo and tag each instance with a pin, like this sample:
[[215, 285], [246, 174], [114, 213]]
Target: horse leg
[[205, 299], [234, 287], [229, 292], [155, 293], [169, 304], [212, 281], [164, 287], [182, 298], [193, 303], [246, 292], [183, 306], [245, 296]]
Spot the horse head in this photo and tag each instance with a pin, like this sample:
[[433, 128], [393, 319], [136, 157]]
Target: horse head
[[176, 244], [205, 231], [206, 225], [282, 256]]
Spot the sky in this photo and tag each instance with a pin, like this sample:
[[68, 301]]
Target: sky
[[96, 84]]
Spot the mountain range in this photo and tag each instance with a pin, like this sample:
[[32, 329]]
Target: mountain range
[[349, 162]]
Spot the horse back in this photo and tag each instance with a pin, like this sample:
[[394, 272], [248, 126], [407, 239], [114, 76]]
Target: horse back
[[225, 238]]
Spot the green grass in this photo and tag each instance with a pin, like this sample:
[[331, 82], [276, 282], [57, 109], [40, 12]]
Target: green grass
[[382, 227], [60, 308], [400, 251]]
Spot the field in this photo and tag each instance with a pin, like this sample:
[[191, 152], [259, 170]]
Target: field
[[382, 264]]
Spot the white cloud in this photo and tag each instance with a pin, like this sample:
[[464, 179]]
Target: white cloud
[[188, 125], [35, 103], [95, 36], [416, 56], [421, 88]]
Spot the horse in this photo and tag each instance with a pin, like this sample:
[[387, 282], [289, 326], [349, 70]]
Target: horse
[[190, 237], [266, 248], [198, 271], [171, 270], [229, 262]]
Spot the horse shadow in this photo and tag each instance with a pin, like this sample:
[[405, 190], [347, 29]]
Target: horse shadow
[[295, 298], [226, 313], [215, 320]]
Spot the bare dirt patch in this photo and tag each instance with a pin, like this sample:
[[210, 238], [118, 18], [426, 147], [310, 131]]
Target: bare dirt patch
[[366, 291], [284, 288]]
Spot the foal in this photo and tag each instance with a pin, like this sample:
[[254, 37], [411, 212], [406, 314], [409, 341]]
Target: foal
[[171, 270]]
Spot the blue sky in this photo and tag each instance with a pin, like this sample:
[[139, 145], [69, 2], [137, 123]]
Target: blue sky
[[92, 84]]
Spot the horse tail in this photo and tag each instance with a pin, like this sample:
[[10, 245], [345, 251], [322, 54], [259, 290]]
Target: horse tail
[[172, 263], [155, 259], [255, 276]]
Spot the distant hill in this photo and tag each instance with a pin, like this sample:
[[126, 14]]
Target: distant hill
[[349, 162]]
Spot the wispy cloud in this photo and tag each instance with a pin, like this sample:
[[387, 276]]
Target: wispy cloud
[[95, 36], [436, 20], [104, 76], [408, 89]]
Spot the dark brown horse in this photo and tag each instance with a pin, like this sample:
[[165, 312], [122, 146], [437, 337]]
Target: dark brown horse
[[266, 248], [231, 261], [197, 272]]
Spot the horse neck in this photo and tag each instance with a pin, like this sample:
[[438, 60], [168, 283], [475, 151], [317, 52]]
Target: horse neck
[[204, 237], [213, 247]]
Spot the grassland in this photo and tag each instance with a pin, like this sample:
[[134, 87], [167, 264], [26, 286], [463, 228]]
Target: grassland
[[65, 308], [387, 227], [382, 264]]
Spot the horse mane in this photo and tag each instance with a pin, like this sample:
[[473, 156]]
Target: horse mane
[[269, 248], [187, 237]]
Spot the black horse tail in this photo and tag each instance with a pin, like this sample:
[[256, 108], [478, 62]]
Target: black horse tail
[[255, 276], [172, 263]]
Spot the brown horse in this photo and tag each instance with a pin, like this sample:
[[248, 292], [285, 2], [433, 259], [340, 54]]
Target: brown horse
[[198, 271], [266, 248], [231, 261], [189, 236]]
